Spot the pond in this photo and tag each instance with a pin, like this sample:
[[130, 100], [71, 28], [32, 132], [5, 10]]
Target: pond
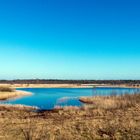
[[48, 98]]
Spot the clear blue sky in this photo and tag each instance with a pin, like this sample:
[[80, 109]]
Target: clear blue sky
[[70, 39]]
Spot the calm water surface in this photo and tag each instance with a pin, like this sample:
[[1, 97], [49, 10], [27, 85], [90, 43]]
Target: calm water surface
[[48, 98]]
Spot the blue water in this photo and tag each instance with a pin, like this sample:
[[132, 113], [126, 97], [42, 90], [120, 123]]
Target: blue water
[[48, 98]]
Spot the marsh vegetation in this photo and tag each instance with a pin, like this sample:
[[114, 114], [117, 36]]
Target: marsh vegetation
[[112, 117]]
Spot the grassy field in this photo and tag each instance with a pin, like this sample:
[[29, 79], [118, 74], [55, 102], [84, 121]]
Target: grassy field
[[114, 117]]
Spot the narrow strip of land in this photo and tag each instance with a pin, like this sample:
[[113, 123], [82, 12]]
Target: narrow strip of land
[[68, 85], [8, 93]]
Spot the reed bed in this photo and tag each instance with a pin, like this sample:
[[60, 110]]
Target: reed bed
[[112, 102]]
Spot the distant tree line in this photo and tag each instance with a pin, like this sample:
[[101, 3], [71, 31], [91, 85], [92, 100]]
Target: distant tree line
[[56, 81]]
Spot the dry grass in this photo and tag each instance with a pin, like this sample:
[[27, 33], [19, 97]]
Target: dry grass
[[112, 102], [5, 89], [87, 123]]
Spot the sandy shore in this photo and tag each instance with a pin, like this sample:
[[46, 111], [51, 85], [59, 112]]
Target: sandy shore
[[66, 86], [14, 94]]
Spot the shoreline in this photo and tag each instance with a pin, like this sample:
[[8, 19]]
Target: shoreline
[[21, 94], [17, 107], [5, 96], [17, 86]]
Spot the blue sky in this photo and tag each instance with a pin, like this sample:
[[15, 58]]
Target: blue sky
[[70, 39]]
